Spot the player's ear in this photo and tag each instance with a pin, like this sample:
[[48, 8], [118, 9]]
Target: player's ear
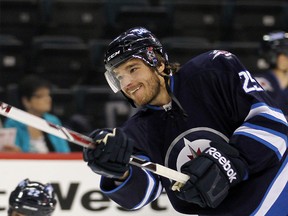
[[161, 68]]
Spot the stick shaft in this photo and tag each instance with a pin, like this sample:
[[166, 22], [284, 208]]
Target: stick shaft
[[43, 125], [82, 140]]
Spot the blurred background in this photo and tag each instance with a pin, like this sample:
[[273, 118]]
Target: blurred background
[[64, 41]]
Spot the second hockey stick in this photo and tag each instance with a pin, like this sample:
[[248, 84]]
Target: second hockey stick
[[80, 139]]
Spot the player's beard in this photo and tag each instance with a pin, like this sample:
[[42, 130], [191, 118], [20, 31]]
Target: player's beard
[[150, 91]]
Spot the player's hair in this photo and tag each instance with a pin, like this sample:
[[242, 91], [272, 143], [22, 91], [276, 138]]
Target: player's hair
[[32, 198], [170, 67], [272, 45]]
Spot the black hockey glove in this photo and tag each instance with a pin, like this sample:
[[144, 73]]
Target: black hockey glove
[[212, 174], [112, 154]]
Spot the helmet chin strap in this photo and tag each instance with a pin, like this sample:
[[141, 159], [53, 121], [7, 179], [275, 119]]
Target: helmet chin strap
[[183, 112]]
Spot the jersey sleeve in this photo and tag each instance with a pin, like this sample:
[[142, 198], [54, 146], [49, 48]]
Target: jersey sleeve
[[147, 185], [261, 132]]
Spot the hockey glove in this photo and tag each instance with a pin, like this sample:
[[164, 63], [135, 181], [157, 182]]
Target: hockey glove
[[212, 174], [112, 154]]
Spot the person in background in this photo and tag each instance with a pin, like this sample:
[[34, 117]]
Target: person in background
[[7, 147], [274, 50], [208, 119], [35, 98], [32, 198]]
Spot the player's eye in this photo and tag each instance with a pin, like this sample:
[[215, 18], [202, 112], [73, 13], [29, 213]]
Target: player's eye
[[133, 69]]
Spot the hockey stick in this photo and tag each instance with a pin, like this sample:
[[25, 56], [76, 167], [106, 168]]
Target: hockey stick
[[82, 140]]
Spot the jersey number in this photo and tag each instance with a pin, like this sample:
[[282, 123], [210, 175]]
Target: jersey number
[[34, 193], [249, 84]]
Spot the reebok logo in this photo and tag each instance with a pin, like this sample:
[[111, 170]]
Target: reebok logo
[[224, 162]]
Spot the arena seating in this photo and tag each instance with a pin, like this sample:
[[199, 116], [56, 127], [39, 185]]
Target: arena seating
[[249, 20], [12, 59], [81, 18], [196, 18], [64, 41], [64, 60], [152, 17], [97, 49], [21, 18]]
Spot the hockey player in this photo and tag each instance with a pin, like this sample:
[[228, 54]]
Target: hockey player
[[210, 120], [31, 198], [274, 50]]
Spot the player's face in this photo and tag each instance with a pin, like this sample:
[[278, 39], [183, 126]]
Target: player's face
[[142, 84], [40, 102]]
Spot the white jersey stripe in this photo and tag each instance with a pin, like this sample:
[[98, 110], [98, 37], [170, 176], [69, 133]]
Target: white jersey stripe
[[262, 108], [274, 192], [149, 191], [159, 191], [268, 130], [276, 143]]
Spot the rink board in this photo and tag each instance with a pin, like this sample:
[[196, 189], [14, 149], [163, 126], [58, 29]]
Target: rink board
[[77, 186]]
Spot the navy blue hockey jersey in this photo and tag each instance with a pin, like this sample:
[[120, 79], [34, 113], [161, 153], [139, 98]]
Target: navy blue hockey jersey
[[223, 102]]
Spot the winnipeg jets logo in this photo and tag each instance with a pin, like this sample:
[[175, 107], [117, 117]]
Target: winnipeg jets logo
[[221, 52], [188, 145], [194, 153]]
